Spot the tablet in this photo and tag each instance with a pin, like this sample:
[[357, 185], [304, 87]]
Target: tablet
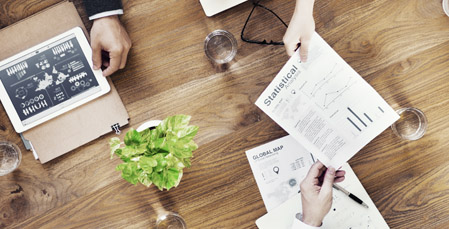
[[49, 79]]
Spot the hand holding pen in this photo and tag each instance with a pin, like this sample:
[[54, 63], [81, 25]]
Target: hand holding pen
[[316, 192]]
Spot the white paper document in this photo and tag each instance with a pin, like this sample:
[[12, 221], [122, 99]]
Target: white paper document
[[325, 105], [278, 167], [344, 213]]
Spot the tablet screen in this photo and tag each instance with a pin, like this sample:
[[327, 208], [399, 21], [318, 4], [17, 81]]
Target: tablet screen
[[48, 79]]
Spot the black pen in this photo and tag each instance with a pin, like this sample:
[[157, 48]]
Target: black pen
[[297, 46], [352, 196]]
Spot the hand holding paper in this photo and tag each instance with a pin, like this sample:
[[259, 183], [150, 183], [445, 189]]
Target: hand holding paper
[[325, 105], [301, 29]]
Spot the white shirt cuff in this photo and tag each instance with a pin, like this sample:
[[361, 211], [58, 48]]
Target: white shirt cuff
[[298, 224], [105, 14]]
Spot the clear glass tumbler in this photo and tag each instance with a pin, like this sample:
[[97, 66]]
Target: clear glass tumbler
[[411, 125], [170, 220], [10, 157], [220, 46]]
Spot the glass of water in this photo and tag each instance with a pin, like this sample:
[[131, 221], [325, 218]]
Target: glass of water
[[10, 157], [220, 46], [170, 220], [411, 125]]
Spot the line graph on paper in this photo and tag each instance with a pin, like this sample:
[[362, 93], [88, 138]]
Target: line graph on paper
[[327, 89], [324, 81]]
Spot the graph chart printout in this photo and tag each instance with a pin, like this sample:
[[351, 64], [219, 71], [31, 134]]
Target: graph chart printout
[[278, 167], [326, 105]]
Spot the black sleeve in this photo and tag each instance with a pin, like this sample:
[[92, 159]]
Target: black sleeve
[[98, 6]]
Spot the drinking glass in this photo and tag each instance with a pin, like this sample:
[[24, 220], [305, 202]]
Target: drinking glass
[[220, 46], [170, 220], [10, 157], [411, 125]]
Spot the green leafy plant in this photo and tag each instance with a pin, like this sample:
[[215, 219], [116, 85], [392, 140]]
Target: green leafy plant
[[156, 156]]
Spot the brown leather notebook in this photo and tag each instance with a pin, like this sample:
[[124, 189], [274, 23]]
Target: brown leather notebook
[[75, 127]]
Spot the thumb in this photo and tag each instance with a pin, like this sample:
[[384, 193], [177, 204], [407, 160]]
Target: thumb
[[290, 49], [326, 188], [96, 54], [304, 50]]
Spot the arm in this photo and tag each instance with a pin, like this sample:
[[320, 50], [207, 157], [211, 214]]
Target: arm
[[316, 195], [109, 40], [300, 29], [95, 7]]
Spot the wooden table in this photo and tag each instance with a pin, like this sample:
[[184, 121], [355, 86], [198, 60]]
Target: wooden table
[[400, 47]]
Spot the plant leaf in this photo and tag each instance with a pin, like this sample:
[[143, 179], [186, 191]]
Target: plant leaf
[[173, 123], [186, 162], [114, 144], [132, 137], [147, 164], [144, 178], [187, 133], [174, 162], [145, 135], [172, 175], [130, 172], [118, 152], [158, 179], [161, 162], [158, 143], [181, 148], [155, 133], [133, 151]]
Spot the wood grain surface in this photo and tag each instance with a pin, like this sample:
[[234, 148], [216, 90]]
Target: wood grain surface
[[400, 47]]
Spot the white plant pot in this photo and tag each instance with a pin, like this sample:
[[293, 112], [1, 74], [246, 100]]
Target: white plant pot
[[446, 7], [148, 124]]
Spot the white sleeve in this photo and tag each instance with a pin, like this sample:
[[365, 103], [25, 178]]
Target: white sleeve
[[105, 14], [298, 224]]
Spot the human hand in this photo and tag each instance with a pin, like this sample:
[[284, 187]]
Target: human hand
[[300, 29], [109, 35], [316, 192]]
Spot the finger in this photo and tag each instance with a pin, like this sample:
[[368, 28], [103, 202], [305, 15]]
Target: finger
[[314, 171], [290, 47], [105, 63], [288, 50], [329, 177], [339, 179], [304, 50], [340, 173], [114, 64], [96, 55], [124, 58]]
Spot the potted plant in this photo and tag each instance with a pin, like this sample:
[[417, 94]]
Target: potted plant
[[156, 156]]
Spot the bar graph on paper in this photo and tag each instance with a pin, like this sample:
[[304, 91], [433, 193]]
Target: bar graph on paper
[[335, 90], [362, 117]]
